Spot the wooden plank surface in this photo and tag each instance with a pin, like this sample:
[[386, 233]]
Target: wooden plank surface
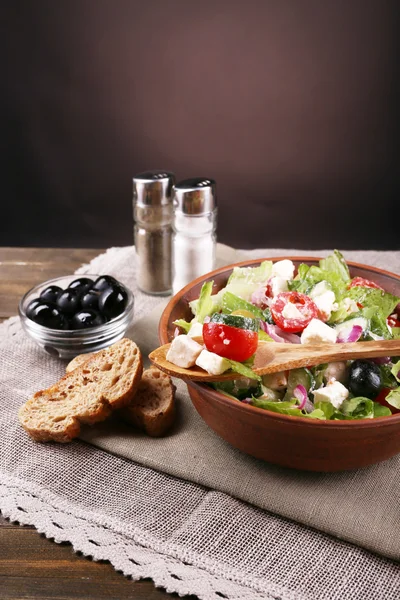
[[30, 565]]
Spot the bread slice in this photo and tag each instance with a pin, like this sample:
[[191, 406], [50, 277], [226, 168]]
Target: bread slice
[[78, 361], [153, 407], [106, 382]]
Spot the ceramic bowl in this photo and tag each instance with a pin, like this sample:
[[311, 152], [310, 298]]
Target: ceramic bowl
[[295, 442], [71, 342]]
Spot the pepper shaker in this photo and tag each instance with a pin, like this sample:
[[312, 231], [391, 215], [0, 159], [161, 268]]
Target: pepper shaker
[[194, 230], [152, 202]]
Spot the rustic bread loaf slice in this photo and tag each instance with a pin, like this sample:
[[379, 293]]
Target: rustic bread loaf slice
[[106, 382], [153, 406], [78, 361]]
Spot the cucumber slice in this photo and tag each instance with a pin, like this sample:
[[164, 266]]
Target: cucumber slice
[[236, 321], [298, 377], [347, 325]]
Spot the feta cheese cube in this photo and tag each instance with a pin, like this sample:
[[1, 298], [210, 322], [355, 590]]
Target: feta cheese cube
[[318, 332], [336, 370], [324, 298], [284, 269], [196, 330], [212, 363], [350, 305], [183, 351], [334, 392], [326, 304], [278, 285], [290, 311]]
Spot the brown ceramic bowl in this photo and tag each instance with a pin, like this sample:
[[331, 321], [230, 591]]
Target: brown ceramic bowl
[[295, 442]]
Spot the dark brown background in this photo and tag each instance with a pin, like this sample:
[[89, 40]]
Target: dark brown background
[[291, 105]]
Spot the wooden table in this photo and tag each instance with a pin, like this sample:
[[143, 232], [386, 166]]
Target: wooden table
[[32, 566]]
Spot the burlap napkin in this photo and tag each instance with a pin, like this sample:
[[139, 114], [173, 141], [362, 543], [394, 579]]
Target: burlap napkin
[[361, 506], [104, 498]]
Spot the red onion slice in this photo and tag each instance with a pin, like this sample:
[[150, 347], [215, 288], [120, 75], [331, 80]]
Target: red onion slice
[[381, 360], [300, 393], [259, 298], [278, 335], [352, 334]]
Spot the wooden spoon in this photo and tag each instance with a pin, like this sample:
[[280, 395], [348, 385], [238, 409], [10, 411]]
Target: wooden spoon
[[273, 357]]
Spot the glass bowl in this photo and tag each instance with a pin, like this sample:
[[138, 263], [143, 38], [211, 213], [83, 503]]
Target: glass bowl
[[68, 343]]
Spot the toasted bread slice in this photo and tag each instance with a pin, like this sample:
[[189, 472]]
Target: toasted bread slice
[[106, 382], [153, 406], [78, 361]]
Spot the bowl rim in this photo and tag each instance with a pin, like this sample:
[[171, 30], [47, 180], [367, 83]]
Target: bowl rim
[[265, 414], [92, 331]]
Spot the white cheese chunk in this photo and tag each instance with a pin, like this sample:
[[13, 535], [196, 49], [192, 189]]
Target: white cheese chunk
[[212, 363], [290, 311], [318, 332], [196, 330], [278, 285], [336, 370], [183, 351], [284, 269], [350, 305], [326, 304], [334, 392], [324, 298]]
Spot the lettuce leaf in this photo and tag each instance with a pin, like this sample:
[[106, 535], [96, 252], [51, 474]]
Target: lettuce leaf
[[287, 408], [243, 369], [231, 302], [393, 398], [204, 305], [183, 324], [371, 297], [395, 371], [314, 275], [335, 263], [243, 281], [239, 388]]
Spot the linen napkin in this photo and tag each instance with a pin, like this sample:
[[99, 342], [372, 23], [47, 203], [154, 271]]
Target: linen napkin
[[188, 538]]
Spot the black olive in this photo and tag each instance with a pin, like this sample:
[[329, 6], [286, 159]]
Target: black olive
[[365, 378], [81, 285], [31, 306], [51, 293], [104, 281], [86, 318], [48, 315], [113, 301], [68, 301], [91, 299]]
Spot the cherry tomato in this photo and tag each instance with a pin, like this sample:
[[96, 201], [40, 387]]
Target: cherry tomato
[[362, 282], [381, 399], [230, 342], [304, 304], [393, 321]]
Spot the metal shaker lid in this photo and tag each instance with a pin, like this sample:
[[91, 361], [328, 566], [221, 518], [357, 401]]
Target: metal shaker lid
[[196, 196], [153, 188]]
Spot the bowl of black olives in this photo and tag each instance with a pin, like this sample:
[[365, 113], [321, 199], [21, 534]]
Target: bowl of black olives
[[74, 314]]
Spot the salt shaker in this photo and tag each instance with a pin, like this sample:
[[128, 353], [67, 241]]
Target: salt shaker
[[152, 203], [194, 230]]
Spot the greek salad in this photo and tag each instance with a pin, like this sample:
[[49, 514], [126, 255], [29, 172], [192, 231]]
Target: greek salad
[[274, 303]]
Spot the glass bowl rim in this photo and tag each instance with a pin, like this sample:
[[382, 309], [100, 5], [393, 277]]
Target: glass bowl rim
[[90, 331]]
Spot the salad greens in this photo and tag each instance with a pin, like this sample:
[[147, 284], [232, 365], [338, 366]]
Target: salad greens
[[352, 307]]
